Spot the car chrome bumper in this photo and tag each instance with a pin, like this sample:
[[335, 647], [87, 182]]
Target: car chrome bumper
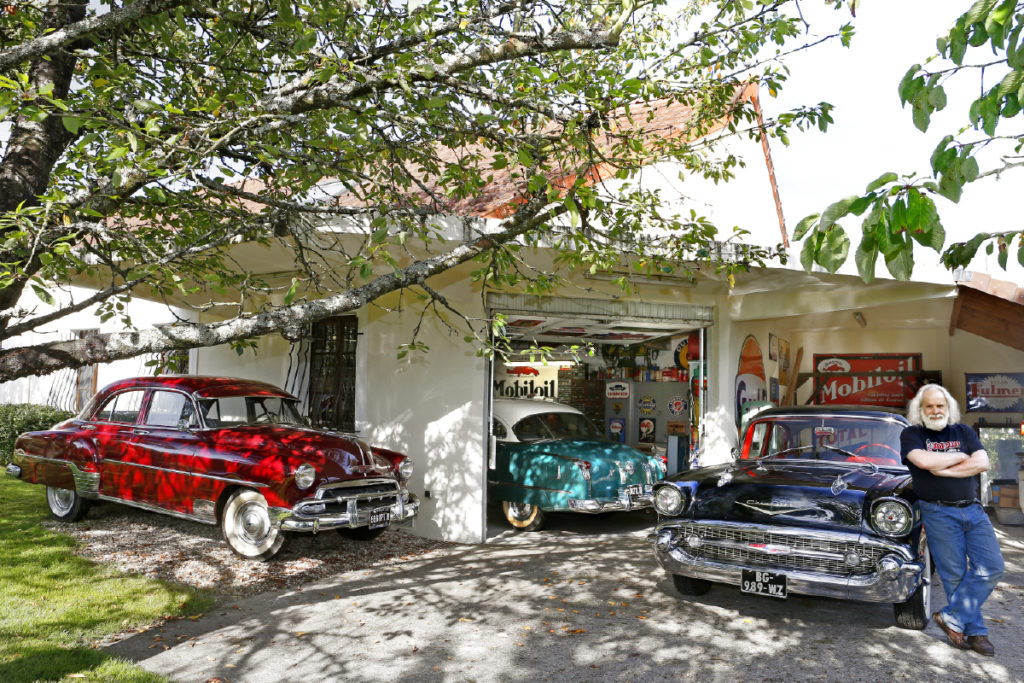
[[895, 578], [402, 513], [623, 503], [13, 471]]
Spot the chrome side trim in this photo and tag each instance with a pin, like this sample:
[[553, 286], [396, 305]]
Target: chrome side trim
[[203, 519], [167, 470], [524, 486], [87, 484]]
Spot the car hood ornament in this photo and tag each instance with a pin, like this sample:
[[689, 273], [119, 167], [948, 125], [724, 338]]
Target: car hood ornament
[[773, 509]]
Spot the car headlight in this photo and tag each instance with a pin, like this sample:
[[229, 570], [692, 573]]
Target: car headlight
[[405, 469], [668, 500], [892, 518], [305, 475]]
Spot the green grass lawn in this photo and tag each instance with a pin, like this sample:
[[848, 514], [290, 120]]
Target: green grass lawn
[[54, 605]]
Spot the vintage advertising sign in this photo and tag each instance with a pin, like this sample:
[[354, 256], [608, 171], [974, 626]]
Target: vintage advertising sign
[[616, 390], [992, 392], [857, 381]]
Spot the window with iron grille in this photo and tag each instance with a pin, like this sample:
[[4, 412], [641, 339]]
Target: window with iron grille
[[332, 366]]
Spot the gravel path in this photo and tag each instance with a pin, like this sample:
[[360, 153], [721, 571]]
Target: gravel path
[[177, 550]]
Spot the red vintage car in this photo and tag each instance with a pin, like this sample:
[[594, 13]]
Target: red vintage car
[[217, 450]]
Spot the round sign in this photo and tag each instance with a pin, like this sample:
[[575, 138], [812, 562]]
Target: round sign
[[677, 405], [647, 405]]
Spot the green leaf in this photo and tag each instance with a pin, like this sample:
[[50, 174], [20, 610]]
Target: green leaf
[[901, 261], [836, 211], [866, 257], [910, 84], [44, 295], [72, 123], [881, 180], [290, 295], [808, 252], [834, 250], [804, 225], [921, 116]]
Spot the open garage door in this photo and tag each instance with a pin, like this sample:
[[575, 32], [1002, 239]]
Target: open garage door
[[650, 406], [561, 320]]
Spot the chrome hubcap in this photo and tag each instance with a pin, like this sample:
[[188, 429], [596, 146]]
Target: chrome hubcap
[[253, 523], [61, 499], [520, 510]]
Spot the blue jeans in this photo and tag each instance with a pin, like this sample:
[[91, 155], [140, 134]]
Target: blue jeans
[[966, 554]]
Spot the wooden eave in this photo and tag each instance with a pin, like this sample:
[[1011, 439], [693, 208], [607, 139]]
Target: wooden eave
[[987, 315]]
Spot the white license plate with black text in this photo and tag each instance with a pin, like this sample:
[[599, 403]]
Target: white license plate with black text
[[634, 490], [757, 582], [380, 518]]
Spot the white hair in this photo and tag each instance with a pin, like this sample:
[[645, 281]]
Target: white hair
[[914, 407]]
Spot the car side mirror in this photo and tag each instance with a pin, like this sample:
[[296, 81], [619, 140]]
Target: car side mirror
[[184, 425]]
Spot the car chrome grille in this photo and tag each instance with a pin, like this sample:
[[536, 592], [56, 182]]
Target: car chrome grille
[[747, 547], [355, 497]]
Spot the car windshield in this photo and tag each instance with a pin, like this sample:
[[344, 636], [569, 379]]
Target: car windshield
[[834, 438], [555, 426], [232, 411]]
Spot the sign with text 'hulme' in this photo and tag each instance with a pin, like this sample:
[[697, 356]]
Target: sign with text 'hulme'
[[860, 379], [995, 392]]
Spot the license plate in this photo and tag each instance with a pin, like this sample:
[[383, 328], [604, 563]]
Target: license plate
[[634, 490], [763, 583], [380, 518]]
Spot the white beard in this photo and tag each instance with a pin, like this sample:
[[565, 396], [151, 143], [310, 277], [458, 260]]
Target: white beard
[[936, 424]]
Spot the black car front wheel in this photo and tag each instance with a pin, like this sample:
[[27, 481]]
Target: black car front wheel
[[65, 504], [915, 612], [523, 516], [690, 586]]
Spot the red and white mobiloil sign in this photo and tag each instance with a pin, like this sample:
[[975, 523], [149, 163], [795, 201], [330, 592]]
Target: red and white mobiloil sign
[[860, 380]]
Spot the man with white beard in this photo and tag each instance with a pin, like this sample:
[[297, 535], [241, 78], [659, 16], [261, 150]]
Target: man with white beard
[[944, 456]]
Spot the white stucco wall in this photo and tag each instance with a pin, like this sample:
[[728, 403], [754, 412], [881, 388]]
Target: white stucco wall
[[58, 388], [431, 407], [267, 363]]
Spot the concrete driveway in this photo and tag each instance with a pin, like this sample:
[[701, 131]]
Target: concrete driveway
[[584, 600]]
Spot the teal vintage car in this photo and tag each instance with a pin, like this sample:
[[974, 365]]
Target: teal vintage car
[[549, 457]]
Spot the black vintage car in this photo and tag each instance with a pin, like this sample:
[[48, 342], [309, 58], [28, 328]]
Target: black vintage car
[[816, 503]]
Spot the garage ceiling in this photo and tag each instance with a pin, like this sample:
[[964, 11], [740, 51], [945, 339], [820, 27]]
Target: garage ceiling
[[566, 320]]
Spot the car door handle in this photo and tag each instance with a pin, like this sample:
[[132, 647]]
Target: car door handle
[[91, 428], [140, 431]]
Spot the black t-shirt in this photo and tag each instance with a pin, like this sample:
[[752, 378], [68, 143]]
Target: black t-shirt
[[955, 437]]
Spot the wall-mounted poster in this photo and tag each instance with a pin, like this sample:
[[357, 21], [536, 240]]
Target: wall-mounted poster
[[751, 384], [993, 392], [646, 430], [617, 429], [773, 347], [858, 381], [773, 390], [783, 362]]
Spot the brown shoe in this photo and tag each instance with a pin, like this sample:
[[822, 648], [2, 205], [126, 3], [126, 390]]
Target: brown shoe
[[981, 645], [956, 639]]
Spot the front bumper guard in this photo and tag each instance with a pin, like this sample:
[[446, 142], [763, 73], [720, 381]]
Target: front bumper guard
[[894, 580], [13, 471], [624, 503], [402, 514]]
